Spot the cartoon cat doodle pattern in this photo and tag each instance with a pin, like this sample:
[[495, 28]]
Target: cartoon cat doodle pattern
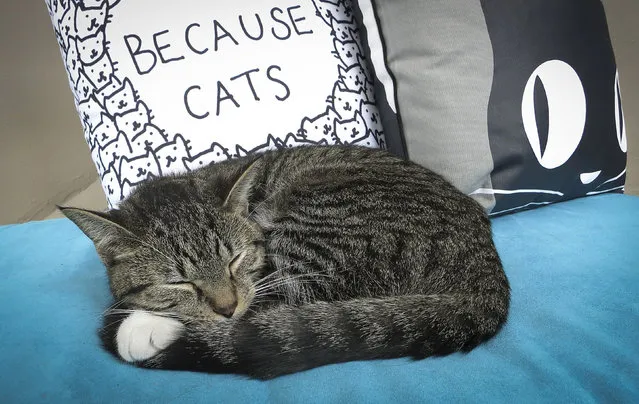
[[127, 143]]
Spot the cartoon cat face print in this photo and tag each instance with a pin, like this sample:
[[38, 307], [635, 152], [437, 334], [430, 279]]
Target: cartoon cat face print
[[105, 132], [345, 101], [370, 140], [88, 21], [65, 3], [89, 111], [127, 188], [151, 138], [346, 31], [342, 30], [351, 131], [100, 72], [319, 128], [271, 143], [347, 52], [369, 91], [133, 122], [239, 151], [62, 43], [57, 11], [372, 119], [111, 186], [172, 155], [83, 88], [329, 11], [66, 24], [52, 6], [111, 153], [356, 36], [72, 61], [108, 90], [215, 153], [92, 48], [97, 159], [93, 3], [138, 169], [354, 78], [123, 100], [293, 141]]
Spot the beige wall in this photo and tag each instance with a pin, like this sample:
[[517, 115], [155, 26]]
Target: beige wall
[[623, 22], [43, 156], [44, 159]]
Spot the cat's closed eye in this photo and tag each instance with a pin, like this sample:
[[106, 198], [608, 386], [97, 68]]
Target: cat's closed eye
[[182, 285], [235, 262]]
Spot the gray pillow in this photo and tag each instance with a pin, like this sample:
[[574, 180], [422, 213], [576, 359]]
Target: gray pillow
[[516, 102]]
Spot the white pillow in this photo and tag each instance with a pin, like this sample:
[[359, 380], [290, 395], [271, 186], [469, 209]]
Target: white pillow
[[162, 88]]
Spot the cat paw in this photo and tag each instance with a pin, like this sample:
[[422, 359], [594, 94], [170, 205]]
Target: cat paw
[[142, 335]]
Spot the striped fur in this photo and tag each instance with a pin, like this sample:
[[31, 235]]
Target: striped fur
[[331, 254]]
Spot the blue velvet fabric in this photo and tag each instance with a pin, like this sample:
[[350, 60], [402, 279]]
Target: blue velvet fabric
[[572, 335]]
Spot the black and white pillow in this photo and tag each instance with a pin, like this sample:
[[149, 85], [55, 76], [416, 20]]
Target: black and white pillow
[[517, 102], [163, 87]]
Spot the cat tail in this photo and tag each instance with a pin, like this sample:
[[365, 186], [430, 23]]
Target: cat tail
[[287, 339]]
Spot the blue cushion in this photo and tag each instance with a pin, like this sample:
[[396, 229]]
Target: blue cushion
[[572, 333]]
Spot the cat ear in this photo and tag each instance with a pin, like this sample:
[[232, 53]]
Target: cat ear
[[98, 226], [238, 198]]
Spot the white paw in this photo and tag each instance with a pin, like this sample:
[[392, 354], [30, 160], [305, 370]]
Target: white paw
[[142, 335]]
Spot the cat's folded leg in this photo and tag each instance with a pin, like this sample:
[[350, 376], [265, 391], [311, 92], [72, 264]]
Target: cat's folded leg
[[139, 335]]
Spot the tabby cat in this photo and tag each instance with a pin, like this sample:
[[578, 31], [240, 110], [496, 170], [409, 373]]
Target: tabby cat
[[275, 263]]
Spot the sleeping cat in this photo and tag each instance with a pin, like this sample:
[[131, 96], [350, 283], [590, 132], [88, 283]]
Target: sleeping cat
[[275, 263]]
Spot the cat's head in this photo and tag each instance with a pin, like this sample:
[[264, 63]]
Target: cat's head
[[88, 21], [92, 48], [173, 246], [348, 52]]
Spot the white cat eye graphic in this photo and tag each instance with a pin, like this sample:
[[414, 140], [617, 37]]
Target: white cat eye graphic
[[566, 109], [566, 112], [622, 141], [619, 118], [587, 178]]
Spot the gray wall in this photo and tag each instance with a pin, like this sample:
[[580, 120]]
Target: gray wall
[[44, 159], [43, 156]]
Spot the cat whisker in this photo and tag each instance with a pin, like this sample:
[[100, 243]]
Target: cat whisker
[[155, 313], [310, 276], [113, 306], [304, 274], [287, 258], [299, 279], [289, 283], [257, 298], [269, 276], [276, 282], [113, 322], [131, 311]]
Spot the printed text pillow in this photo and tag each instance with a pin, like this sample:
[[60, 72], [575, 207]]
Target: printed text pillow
[[164, 86]]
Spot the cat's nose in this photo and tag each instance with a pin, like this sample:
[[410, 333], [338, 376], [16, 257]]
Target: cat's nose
[[226, 311]]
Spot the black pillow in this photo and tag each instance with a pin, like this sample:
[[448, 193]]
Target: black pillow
[[516, 102]]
